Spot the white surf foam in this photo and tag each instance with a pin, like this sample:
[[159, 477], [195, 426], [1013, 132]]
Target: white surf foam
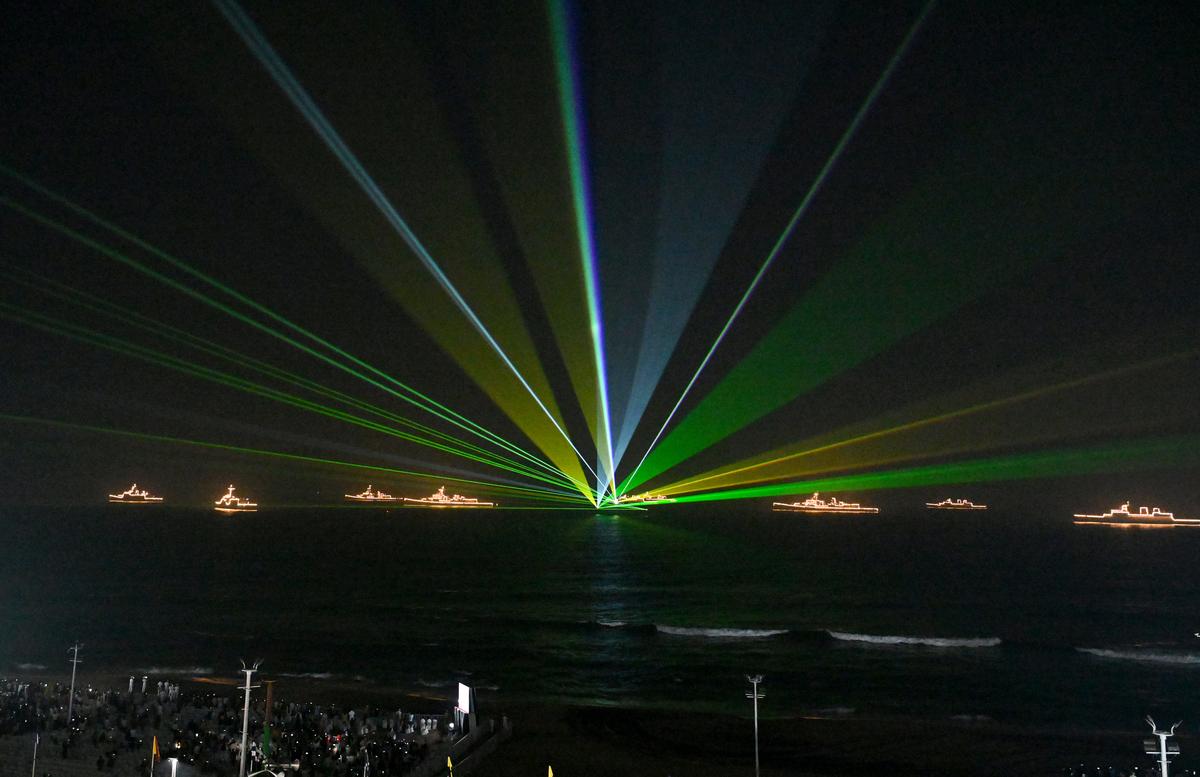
[[681, 631], [1145, 656], [612, 624], [308, 675], [173, 670], [941, 642], [27, 667]]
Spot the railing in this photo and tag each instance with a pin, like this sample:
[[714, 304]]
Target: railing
[[466, 752]]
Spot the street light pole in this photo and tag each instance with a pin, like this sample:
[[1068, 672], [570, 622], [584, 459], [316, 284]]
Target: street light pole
[[1161, 748], [71, 697], [246, 715], [755, 695]]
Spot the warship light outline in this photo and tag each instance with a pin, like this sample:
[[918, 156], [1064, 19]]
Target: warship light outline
[[955, 504], [372, 496], [643, 498], [131, 496], [814, 505], [440, 499], [234, 504], [1124, 518]]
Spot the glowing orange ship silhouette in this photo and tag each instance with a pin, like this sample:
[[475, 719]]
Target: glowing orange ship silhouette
[[955, 504], [1144, 518], [440, 499], [646, 497], [372, 496], [815, 505], [234, 504], [132, 496]]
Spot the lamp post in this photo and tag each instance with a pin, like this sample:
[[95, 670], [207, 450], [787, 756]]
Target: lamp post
[[755, 695], [71, 697], [174, 765], [1160, 747], [246, 715]]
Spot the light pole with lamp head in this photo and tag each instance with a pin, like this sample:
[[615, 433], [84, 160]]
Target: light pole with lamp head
[[246, 715], [755, 695]]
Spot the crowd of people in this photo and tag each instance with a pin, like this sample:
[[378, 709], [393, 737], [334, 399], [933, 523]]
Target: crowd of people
[[203, 730]]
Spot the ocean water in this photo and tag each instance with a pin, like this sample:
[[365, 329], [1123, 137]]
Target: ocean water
[[1022, 619]]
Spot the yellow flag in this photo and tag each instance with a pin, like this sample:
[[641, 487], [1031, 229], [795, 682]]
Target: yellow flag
[[154, 750]]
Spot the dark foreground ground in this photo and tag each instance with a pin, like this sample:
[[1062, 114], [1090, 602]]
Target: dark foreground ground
[[581, 742], [594, 741]]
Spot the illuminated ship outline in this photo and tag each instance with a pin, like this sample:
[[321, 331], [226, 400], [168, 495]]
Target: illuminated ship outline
[[372, 496], [815, 505], [440, 499], [131, 496], [1144, 518], [645, 497], [955, 504], [234, 504]]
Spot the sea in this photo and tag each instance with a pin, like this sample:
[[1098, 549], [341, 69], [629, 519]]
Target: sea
[[990, 616]]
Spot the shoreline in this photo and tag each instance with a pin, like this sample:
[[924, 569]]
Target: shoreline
[[594, 740]]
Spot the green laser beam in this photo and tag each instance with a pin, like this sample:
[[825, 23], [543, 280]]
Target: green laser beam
[[104, 307], [799, 457], [133, 350], [798, 214], [187, 269], [530, 492], [1147, 453], [421, 401]]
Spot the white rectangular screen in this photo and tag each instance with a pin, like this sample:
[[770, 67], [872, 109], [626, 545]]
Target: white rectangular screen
[[464, 698]]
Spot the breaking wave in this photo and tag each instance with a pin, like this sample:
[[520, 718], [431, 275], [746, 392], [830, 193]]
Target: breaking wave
[[170, 670], [612, 624], [941, 642], [1145, 656], [308, 675], [681, 631], [27, 667], [427, 684]]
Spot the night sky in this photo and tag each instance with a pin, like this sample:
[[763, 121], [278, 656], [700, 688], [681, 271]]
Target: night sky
[[993, 200]]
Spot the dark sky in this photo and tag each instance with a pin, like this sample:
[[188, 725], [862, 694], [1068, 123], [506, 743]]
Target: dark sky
[[1052, 152]]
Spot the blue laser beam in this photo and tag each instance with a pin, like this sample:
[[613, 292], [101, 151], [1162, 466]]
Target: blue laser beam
[[801, 209], [248, 31], [563, 34]]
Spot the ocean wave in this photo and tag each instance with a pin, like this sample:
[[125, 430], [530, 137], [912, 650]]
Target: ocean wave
[[308, 675], [428, 684], [611, 624], [941, 642], [1145, 656], [682, 631], [173, 670], [27, 667]]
